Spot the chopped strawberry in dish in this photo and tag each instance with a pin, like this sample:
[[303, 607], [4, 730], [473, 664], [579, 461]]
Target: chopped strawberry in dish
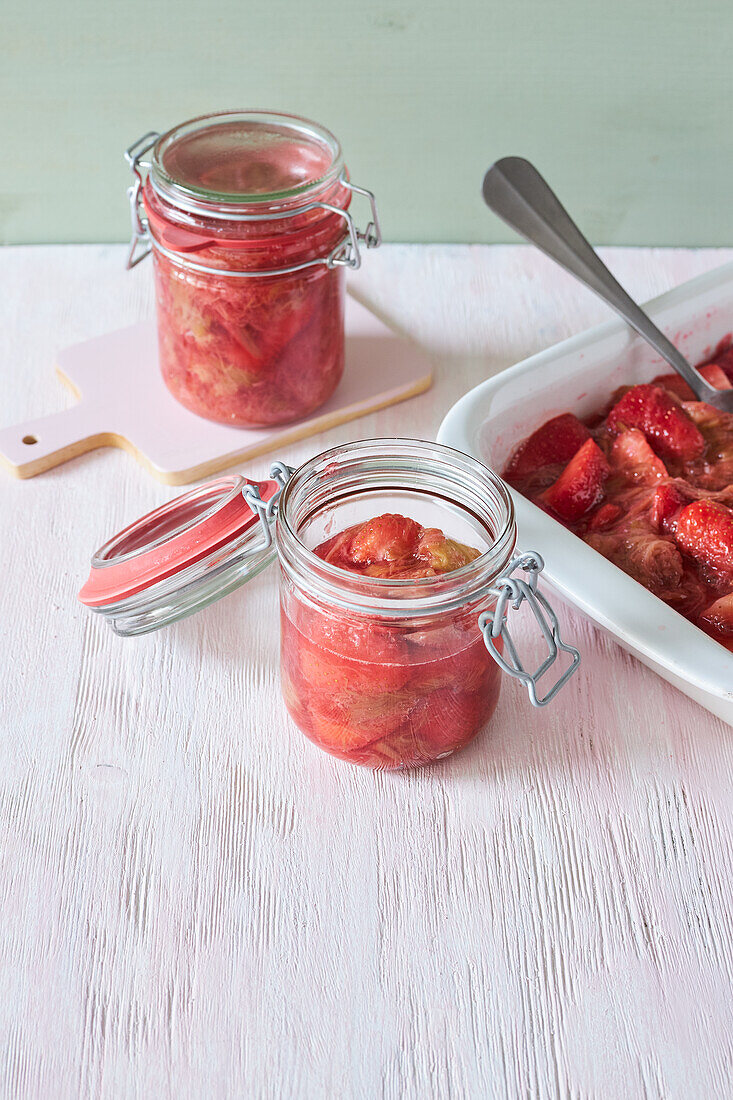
[[704, 530], [580, 485], [554, 443], [385, 538], [632, 456], [663, 421], [665, 507], [442, 554], [605, 516], [712, 373]]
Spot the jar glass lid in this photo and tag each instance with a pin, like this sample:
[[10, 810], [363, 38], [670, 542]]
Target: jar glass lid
[[184, 555], [245, 157]]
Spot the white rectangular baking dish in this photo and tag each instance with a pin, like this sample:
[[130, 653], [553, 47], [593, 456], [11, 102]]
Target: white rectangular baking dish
[[577, 375]]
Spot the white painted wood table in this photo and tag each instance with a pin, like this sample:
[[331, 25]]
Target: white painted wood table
[[198, 903]]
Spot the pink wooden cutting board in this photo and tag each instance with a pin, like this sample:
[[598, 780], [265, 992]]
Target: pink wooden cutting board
[[123, 402]]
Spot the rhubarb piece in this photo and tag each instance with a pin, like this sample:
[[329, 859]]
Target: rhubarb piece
[[442, 554], [580, 485], [632, 456], [716, 471], [705, 531], [654, 411], [446, 710], [655, 562], [554, 443]]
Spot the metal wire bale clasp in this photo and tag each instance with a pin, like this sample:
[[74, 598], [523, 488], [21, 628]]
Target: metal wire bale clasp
[[346, 253], [513, 591], [140, 239], [266, 510]]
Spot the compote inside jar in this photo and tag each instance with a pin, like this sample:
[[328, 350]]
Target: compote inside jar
[[390, 671]]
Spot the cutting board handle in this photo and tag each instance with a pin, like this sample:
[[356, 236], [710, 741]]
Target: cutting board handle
[[37, 445]]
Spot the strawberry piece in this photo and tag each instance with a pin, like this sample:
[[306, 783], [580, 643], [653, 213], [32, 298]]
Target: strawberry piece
[[385, 538], [716, 376], [711, 372], [655, 412], [705, 532], [719, 616], [605, 517], [666, 505], [632, 456], [453, 717], [580, 485], [673, 383], [554, 443], [724, 359]]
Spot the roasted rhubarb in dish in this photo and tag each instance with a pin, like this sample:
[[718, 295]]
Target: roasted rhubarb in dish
[[649, 484], [388, 694]]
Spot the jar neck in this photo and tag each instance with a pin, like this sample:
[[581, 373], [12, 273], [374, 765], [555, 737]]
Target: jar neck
[[371, 475], [244, 176], [278, 243]]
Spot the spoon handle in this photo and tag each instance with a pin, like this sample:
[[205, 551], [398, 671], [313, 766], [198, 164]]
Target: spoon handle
[[514, 189]]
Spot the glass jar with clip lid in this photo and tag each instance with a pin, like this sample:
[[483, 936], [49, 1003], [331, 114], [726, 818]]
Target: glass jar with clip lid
[[248, 218], [398, 576]]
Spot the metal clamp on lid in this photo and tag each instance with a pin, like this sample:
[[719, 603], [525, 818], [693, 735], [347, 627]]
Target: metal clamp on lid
[[346, 253], [493, 625], [267, 510]]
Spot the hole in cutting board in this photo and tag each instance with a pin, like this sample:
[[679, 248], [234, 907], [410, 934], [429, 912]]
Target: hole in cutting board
[[30, 439]]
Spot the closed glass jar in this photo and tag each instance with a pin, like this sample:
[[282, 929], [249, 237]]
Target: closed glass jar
[[247, 216], [382, 672]]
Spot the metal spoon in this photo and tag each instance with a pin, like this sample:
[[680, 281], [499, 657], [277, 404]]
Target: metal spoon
[[514, 189]]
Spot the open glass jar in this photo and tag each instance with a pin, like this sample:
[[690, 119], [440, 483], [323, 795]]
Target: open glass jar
[[247, 216], [390, 673]]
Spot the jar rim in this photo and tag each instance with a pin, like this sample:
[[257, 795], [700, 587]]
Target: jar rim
[[398, 596], [194, 197]]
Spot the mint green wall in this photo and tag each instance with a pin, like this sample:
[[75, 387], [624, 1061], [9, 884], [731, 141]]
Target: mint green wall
[[624, 105]]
